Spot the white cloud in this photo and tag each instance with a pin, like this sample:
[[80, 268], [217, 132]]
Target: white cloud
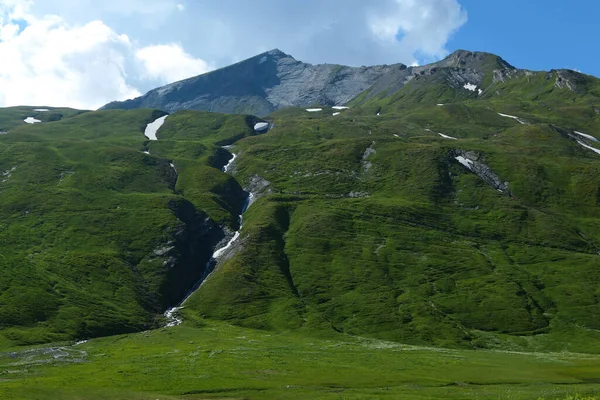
[[422, 26], [56, 63], [169, 63], [99, 51]]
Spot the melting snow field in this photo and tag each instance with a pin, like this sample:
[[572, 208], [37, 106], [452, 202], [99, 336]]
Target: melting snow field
[[261, 126], [585, 135], [447, 137], [41, 109], [314, 109], [153, 128], [470, 86], [31, 120], [513, 117]]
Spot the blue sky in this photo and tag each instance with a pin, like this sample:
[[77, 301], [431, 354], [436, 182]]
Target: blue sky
[[85, 53], [534, 34]]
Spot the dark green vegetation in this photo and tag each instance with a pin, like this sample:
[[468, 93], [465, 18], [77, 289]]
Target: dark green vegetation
[[366, 228]]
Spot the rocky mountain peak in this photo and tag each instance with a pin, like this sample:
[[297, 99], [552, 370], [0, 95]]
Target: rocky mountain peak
[[474, 60]]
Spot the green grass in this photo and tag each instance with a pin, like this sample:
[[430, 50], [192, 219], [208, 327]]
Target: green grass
[[98, 237], [215, 360]]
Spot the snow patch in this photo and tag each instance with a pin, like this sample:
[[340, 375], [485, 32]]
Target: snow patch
[[470, 86], [31, 120], [396, 135], [378, 114], [146, 151], [153, 128], [41, 109], [440, 104], [340, 107], [334, 114], [519, 120], [261, 126], [480, 92], [465, 161], [589, 147], [314, 109], [263, 60], [447, 137], [585, 135], [173, 166]]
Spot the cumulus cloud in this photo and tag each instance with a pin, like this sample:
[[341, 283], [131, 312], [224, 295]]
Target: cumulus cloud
[[47, 61], [169, 63], [99, 51], [354, 32]]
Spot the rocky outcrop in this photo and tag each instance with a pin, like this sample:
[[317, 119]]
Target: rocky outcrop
[[186, 254], [473, 161]]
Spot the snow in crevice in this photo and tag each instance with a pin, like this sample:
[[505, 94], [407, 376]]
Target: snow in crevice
[[585, 135], [447, 137], [519, 120], [153, 127], [314, 109], [31, 120], [470, 86], [465, 161], [173, 166], [589, 147]]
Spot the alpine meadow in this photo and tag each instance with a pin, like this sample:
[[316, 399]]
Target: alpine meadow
[[303, 231]]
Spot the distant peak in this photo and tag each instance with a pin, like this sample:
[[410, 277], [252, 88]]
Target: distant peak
[[465, 58], [276, 53]]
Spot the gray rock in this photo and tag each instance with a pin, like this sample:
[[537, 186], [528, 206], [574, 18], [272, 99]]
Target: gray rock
[[261, 85], [474, 162]]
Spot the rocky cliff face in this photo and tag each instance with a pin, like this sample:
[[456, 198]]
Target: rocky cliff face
[[261, 85]]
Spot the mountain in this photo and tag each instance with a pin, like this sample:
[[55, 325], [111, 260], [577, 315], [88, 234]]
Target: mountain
[[275, 80], [261, 85], [454, 206]]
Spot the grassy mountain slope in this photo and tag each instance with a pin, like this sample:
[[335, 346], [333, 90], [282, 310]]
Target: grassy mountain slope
[[405, 243], [99, 237]]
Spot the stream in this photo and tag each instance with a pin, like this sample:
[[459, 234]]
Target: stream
[[173, 319]]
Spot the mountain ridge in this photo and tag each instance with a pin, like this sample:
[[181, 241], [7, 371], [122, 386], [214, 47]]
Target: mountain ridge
[[274, 79]]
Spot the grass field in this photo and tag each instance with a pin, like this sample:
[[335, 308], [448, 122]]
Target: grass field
[[215, 360]]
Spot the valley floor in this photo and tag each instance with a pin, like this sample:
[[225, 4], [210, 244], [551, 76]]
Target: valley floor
[[215, 360]]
